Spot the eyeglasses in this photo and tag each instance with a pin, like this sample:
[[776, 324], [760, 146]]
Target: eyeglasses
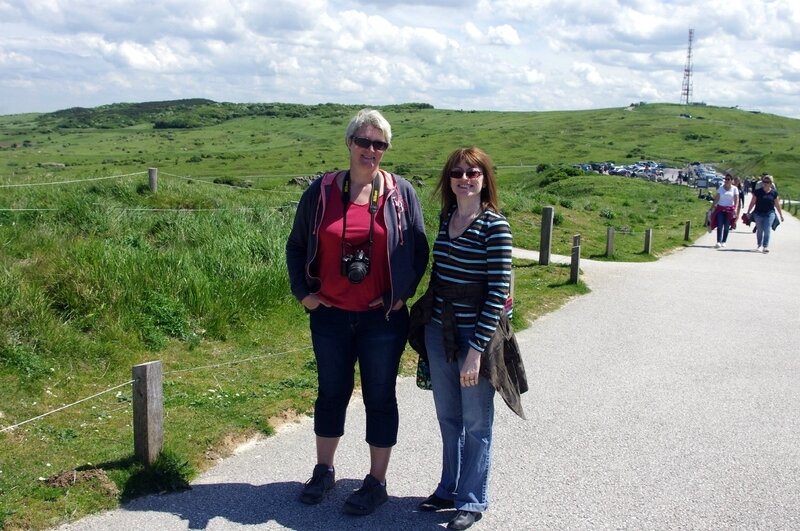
[[377, 145], [471, 173], [728, 179], [767, 181]]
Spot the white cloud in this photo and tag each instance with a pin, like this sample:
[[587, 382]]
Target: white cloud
[[482, 54], [588, 73], [504, 35]]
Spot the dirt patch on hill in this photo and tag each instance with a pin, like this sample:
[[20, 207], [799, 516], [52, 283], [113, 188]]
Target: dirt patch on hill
[[69, 478]]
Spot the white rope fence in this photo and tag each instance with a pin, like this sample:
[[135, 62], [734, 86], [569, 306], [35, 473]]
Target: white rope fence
[[74, 181], [177, 371]]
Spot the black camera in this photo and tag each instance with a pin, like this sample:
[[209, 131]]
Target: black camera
[[355, 266]]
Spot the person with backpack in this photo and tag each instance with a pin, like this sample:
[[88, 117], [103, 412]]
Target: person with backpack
[[356, 252]]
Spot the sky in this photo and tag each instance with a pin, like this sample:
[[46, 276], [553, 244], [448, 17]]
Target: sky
[[501, 55]]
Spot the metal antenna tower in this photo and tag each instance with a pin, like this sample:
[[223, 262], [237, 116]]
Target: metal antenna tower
[[686, 89]]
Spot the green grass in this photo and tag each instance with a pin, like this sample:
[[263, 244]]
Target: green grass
[[101, 275]]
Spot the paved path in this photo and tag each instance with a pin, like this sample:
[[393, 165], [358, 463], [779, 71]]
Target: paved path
[[667, 398]]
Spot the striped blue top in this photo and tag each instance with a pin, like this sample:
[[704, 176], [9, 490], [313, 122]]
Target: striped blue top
[[482, 254]]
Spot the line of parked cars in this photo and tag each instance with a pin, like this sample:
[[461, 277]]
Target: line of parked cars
[[707, 173], [646, 169]]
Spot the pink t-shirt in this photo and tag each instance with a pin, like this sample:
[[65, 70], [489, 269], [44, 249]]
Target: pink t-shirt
[[335, 287]]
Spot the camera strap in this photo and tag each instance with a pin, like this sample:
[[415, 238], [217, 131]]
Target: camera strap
[[373, 208]]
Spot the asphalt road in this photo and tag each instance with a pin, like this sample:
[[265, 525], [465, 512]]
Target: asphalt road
[[667, 398]]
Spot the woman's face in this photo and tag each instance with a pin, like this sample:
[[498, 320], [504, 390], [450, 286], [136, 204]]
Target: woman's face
[[369, 157], [728, 182], [466, 181], [767, 183]]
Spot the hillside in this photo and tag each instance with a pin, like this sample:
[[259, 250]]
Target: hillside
[[201, 137]]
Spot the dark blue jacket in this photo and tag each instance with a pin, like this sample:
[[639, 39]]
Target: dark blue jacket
[[407, 245]]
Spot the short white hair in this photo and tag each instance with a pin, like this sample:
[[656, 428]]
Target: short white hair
[[369, 117]]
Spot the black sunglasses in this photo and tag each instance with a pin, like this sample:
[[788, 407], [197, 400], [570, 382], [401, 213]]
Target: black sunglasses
[[471, 173], [377, 145]]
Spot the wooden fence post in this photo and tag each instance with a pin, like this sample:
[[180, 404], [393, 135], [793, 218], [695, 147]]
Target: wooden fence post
[[148, 411], [610, 241], [575, 264], [152, 179], [547, 235], [687, 229], [648, 241]]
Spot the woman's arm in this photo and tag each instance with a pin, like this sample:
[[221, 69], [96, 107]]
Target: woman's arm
[[778, 207], [498, 279], [752, 202]]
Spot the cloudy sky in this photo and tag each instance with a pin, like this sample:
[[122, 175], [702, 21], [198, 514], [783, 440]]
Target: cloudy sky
[[527, 55]]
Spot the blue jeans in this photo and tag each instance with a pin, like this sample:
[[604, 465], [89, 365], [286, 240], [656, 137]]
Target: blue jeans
[[764, 227], [466, 416], [341, 338], [723, 226]]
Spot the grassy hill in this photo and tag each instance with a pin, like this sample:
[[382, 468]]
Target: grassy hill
[[273, 139], [97, 273]]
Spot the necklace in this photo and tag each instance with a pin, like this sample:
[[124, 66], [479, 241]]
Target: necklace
[[459, 223]]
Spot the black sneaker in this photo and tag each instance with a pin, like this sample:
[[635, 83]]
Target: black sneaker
[[435, 503], [322, 480], [464, 520], [367, 498]]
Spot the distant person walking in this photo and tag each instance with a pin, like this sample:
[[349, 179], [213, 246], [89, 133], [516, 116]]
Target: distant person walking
[[737, 182], [469, 342], [355, 254], [759, 183], [725, 209], [765, 200]]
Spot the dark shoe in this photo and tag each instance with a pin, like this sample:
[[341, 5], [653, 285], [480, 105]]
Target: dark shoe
[[464, 520], [322, 480], [435, 503], [367, 498]]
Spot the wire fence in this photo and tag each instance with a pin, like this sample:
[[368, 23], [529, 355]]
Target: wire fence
[[187, 178], [73, 181], [141, 209], [129, 382]]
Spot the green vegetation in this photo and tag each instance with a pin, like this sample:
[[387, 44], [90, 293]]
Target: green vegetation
[[98, 273]]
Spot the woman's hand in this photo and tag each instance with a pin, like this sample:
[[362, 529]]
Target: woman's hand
[[470, 371], [312, 302]]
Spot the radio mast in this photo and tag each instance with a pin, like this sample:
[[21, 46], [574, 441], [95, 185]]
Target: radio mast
[[686, 89]]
